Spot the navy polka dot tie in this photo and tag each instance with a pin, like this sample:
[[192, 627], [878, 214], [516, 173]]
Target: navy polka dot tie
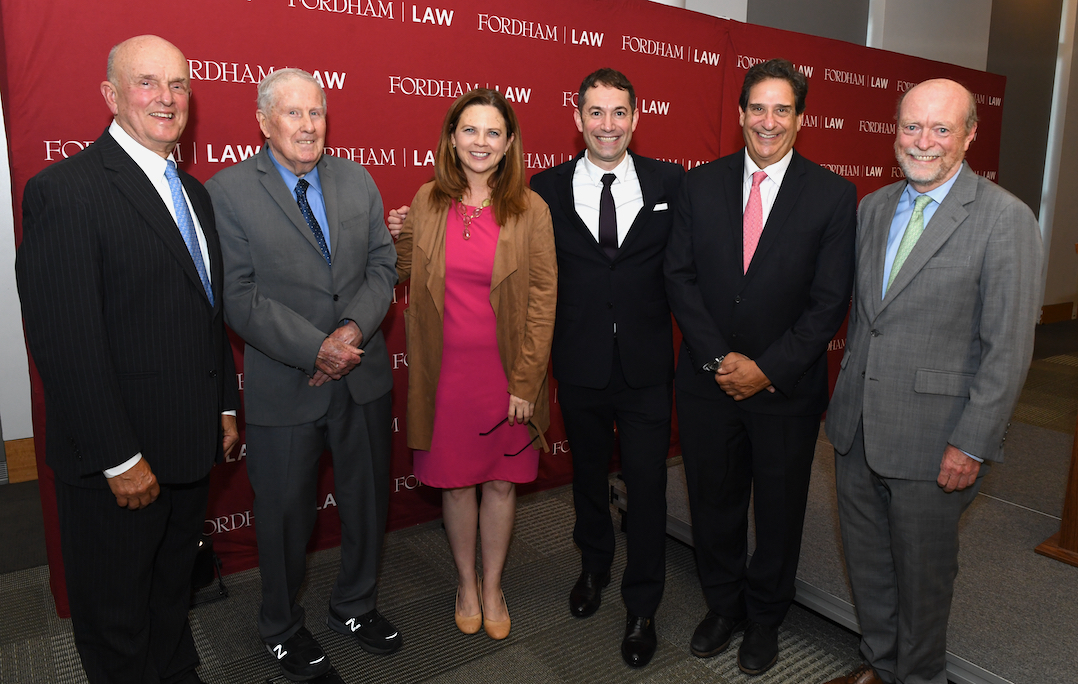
[[308, 216]]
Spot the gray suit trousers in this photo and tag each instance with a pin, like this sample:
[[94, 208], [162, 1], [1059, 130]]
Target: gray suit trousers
[[901, 543], [282, 465]]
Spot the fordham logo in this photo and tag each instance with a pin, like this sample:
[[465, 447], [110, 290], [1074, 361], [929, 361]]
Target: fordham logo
[[359, 8], [235, 72], [518, 27], [747, 62], [408, 482], [646, 46], [228, 523], [853, 78], [884, 127], [62, 149]]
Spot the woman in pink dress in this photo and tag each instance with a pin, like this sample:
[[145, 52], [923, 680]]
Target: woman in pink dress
[[478, 247]]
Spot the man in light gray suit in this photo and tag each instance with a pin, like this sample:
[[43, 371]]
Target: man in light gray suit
[[309, 275], [947, 291]]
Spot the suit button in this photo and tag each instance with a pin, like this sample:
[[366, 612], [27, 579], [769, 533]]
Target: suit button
[[862, 374], [737, 299], [335, 297], [213, 374], [874, 332], [733, 335], [610, 305]]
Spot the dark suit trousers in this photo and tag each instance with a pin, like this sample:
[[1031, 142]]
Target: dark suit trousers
[[900, 538], [282, 465], [129, 581], [642, 416], [730, 454]]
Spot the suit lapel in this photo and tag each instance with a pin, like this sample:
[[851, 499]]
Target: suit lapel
[[568, 203], [329, 194], [872, 247], [650, 189], [947, 218], [274, 185], [733, 180], [132, 182], [793, 182]]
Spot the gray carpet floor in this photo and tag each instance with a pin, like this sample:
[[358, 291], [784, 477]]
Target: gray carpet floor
[[1019, 506], [417, 589]]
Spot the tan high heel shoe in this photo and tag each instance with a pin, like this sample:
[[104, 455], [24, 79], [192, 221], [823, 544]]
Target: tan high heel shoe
[[469, 624], [496, 629]]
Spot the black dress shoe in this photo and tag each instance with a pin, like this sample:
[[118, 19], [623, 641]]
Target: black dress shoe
[[300, 656], [587, 593], [374, 633], [640, 641], [713, 634], [759, 649]]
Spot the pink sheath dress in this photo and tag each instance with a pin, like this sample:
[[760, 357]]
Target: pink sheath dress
[[473, 393]]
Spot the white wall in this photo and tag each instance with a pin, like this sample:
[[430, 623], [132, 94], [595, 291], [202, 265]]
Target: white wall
[[15, 422], [953, 31], [729, 9]]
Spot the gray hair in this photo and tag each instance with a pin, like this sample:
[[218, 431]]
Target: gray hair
[[267, 88], [110, 69]]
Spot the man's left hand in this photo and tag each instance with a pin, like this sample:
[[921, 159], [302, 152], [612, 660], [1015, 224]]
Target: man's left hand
[[957, 471], [740, 377], [232, 433], [349, 333]]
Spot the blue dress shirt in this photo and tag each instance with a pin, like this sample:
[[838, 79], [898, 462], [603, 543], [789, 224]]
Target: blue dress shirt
[[314, 194]]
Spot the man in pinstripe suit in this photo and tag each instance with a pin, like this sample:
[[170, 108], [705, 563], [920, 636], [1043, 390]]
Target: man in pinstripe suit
[[120, 275]]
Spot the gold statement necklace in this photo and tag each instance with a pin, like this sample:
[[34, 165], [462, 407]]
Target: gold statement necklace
[[469, 217]]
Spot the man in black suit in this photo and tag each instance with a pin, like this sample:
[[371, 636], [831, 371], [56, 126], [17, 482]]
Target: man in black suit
[[613, 348], [759, 271], [120, 276]]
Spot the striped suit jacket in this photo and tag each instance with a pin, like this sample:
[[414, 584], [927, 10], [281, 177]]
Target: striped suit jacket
[[132, 356]]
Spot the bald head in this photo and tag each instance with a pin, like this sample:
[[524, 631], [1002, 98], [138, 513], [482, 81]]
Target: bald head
[[148, 91], [937, 121]]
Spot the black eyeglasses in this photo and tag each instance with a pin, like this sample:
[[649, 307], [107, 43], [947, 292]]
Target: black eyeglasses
[[505, 420]]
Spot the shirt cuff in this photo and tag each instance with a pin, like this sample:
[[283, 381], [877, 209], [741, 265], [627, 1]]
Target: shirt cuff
[[229, 413], [979, 460], [123, 467]]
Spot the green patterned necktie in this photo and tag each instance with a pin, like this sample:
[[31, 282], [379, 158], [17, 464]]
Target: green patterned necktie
[[914, 228]]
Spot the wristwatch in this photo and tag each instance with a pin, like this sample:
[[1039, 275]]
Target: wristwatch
[[714, 365]]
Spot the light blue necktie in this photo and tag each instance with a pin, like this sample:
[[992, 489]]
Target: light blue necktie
[[308, 216], [187, 226]]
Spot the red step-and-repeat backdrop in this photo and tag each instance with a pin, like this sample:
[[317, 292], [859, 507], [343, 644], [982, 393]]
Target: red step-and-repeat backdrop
[[390, 70]]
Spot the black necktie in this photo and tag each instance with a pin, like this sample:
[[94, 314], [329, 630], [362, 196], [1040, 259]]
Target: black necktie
[[308, 216], [608, 218]]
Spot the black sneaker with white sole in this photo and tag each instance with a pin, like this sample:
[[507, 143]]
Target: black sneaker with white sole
[[373, 632], [300, 656]]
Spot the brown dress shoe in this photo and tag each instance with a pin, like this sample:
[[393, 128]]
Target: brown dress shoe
[[862, 675]]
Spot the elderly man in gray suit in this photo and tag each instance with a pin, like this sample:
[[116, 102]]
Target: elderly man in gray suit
[[309, 275], [947, 292]]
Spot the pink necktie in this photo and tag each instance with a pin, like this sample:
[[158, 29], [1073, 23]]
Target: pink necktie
[[754, 218]]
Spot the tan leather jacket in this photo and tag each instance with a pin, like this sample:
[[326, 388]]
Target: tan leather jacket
[[523, 293]]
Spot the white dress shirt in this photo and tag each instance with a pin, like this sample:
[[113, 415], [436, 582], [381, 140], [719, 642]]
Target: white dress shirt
[[769, 188], [154, 165], [588, 186]]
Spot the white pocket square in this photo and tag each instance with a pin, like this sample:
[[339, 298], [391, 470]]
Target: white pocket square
[[661, 206]]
